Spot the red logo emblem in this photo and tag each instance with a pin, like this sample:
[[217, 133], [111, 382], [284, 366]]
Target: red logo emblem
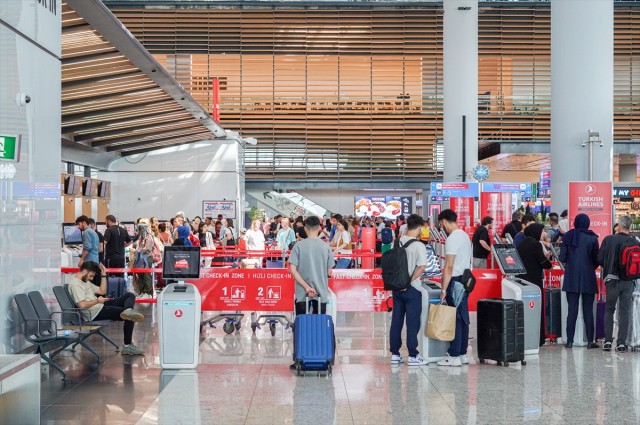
[[178, 313], [531, 304]]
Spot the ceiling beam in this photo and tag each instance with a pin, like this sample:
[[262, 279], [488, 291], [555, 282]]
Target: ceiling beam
[[74, 28], [82, 100], [155, 148], [109, 142], [90, 136], [115, 148], [85, 127], [87, 58], [120, 109], [104, 79]]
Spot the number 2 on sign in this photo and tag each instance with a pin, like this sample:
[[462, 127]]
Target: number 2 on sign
[[260, 291]]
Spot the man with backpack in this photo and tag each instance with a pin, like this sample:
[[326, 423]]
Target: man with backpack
[[619, 282], [410, 255], [458, 252]]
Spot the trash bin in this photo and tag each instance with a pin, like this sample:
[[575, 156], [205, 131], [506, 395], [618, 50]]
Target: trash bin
[[179, 326], [430, 349]]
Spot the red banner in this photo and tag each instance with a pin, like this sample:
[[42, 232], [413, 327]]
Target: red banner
[[359, 290], [464, 208], [594, 199], [498, 206], [216, 99], [368, 243]]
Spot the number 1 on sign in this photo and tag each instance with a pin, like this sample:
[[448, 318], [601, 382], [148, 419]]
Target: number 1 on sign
[[365, 290], [224, 289]]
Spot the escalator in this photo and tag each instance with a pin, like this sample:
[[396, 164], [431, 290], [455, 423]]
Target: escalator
[[284, 203]]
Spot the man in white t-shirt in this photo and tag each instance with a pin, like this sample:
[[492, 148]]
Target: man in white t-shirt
[[458, 251]]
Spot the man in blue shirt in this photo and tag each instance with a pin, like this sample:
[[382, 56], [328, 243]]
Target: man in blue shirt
[[527, 219], [90, 241], [334, 221]]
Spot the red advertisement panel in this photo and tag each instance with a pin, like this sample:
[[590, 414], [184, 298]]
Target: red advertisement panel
[[464, 208], [369, 243], [594, 199], [498, 206], [216, 99]]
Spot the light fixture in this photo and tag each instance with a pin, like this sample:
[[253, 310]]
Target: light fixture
[[464, 8]]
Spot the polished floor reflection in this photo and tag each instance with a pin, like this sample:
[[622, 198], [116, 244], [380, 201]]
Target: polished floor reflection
[[245, 379]]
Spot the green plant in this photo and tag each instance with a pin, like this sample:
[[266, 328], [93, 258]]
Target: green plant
[[255, 212]]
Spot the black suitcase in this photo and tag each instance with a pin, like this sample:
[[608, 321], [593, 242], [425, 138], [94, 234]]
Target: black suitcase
[[553, 313], [501, 331]]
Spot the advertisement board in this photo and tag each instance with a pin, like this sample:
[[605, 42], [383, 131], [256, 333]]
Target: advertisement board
[[545, 180], [594, 199], [498, 206], [444, 191], [214, 208], [523, 189], [465, 209], [389, 207]]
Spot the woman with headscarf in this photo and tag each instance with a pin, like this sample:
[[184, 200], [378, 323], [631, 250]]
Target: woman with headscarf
[[563, 226], [534, 260], [144, 259], [579, 254], [183, 237]]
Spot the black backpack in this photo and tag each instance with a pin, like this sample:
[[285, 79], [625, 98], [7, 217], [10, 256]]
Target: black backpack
[[395, 267]]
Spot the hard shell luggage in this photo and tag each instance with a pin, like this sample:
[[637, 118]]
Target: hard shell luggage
[[553, 313], [501, 331], [600, 306], [313, 342], [633, 340], [116, 287]]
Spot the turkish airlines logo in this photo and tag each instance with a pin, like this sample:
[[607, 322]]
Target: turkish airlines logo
[[590, 189], [181, 264], [178, 313], [531, 304]]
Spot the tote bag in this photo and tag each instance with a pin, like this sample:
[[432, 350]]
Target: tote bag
[[441, 324]]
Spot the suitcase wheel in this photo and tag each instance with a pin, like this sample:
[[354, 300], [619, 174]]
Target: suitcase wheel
[[329, 368], [506, 364], [523, 363], [299, 369], [481, 361], [499, 363]]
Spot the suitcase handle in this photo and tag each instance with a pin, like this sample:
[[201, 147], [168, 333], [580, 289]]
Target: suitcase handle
[[308, 300]]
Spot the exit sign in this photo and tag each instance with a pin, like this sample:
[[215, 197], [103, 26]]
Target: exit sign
[[10, 148]]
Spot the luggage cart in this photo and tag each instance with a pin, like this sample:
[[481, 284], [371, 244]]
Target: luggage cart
[[233, 322]]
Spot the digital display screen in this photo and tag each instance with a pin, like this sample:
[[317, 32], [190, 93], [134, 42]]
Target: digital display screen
[[130, 226], [508, 259], [181, 263], [101, 227], [72, 235]]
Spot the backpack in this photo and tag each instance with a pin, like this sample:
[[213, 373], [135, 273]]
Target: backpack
[[629, 260], [395, 273], [156, 252], [386, 235]]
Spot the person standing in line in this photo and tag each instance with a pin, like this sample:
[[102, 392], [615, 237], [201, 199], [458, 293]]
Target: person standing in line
[[342, 244], [92, 224], [458, 252], [579, 252], [554, 232], [512, 228], [164, 235], [254, 237], [617, 290], [116, 240], [334, 221], [311, 262], [527, 219], [482, 243], [286, 236], [534, 260], [407, 304], [210, 225], [90, 241], [144, 258]]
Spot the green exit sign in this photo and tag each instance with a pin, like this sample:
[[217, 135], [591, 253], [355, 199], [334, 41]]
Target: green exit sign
[[10, 148]]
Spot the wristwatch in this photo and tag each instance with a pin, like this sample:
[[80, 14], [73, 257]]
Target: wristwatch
[[103, 276], [443, 291]]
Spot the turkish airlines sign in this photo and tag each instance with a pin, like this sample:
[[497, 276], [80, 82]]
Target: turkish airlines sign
[[594, 199], [498, 206], [464, 208]]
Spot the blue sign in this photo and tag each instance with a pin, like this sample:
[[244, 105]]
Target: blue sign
[[545, 180], [522, 189], [444, 191]]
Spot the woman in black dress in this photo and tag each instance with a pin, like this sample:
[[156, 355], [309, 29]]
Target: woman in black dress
[[534, 260]]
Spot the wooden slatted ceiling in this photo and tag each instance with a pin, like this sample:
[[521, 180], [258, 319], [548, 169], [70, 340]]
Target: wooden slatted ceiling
[[321, 90], [626, 71], [108, 102]]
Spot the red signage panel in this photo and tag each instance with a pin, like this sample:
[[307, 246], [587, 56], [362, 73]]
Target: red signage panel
[[594, 199], [216, 99], [359, 290], [498, 206], [464, 208]]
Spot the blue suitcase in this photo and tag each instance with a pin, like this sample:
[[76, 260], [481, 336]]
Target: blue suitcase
[[116, 287], [314, 342]]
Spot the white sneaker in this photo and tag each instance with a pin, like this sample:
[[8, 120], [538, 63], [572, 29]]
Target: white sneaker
[[396, 359], [450, 361], [417, 361], [145, 296], [464, 359]]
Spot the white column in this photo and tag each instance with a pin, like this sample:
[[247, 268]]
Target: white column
[[581, 93], [460, 86]]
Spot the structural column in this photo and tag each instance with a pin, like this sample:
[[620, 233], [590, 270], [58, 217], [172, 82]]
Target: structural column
[[581, 93], [627, 173], [460, 86]]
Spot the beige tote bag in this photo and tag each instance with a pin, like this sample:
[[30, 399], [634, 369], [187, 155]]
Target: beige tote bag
[[441, 324]]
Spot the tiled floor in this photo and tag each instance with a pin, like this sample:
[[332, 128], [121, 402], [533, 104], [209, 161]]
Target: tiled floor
[[245, 379]]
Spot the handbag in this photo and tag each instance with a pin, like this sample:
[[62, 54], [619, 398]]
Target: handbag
[[468, 281], [441, 324]]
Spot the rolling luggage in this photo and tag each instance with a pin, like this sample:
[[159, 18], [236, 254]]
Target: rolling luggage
[[600, 306], [553, 313], [501, 331], [116, 287], [313, 342], [633, 340]]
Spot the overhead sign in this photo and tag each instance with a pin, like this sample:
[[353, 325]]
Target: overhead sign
[[498, 206], [214, 208], [545, 180], [464, 208], [10, 148], [594, 199], [523, 189], [444, 191]]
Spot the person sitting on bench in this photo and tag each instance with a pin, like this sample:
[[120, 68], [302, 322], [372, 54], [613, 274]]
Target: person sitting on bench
[[83, 293]]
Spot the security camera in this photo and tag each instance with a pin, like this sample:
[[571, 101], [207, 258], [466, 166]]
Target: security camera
[[22, 99], [251, 141], [138, 199]]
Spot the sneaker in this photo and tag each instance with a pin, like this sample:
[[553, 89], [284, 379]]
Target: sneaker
[[396, 359], [450, 361], [131, 350], [145, 296], [131, 315], [464, 359], [621, 348], [607, 346], [417, 361]]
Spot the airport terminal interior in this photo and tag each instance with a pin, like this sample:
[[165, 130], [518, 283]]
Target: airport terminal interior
[[217, 157]]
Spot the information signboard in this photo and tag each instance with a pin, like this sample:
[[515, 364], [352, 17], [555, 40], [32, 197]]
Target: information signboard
[[594, 199]]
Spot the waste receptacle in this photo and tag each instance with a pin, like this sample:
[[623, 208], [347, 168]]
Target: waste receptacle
[[431, 349], [179, 326]]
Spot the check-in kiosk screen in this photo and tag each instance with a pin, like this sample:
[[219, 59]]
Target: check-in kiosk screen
[[72, 235], [508, 259], [181, 262]]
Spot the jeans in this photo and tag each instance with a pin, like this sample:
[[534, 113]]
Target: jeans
[[458, 347], [111, 311], [343, 263], [405, 303], [573, 300], [618, 290]]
